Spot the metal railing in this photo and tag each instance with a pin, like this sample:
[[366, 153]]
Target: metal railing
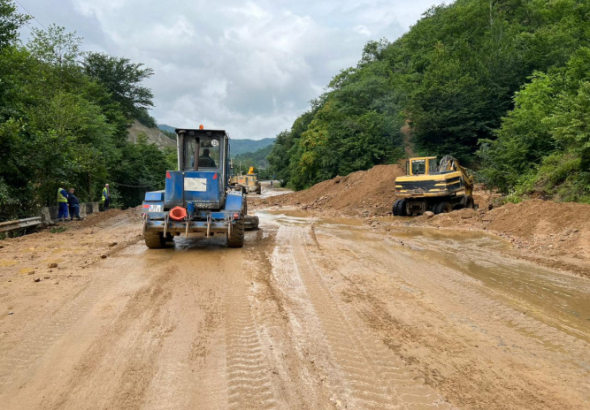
[[20, 224]]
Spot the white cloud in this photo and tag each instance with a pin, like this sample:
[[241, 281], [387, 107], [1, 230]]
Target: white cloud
[[248, 67], [361, 30]]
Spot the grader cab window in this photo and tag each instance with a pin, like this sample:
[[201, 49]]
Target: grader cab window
[[208, 150]]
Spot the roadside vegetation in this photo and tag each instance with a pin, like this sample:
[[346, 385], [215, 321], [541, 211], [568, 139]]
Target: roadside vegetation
[[502, 85], [257, 159], [64, 116]]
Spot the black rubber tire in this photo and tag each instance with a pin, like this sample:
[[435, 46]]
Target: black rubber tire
[[442, 208], [251, 223], [236, 238], [154, 240], [399, 207], [255, 222], [394, 207]]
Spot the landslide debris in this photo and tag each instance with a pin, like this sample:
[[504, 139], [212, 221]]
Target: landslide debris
[[369, 192], [365, 193], [551, 233]]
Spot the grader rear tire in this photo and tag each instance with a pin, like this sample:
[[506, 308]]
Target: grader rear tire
[[154, 240], [235, 239]]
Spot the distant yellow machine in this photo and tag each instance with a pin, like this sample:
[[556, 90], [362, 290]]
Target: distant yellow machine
[[248, 182], [429, 186]]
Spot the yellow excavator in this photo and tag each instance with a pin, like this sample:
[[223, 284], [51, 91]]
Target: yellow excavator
[[249, 182], [431, 186]]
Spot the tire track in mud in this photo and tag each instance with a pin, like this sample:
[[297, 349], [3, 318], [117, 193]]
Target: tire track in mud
[[118, 367], [537, 334], [249, 383], [19, 359], [191, 366], [376, 379], [463, 292]]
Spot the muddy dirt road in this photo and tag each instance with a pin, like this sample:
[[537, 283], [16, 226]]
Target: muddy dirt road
[[310, 314]]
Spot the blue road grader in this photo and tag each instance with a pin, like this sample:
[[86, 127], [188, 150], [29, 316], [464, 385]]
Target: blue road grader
[[198, 200]]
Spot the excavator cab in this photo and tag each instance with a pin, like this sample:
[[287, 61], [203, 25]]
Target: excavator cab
[[421, 166]]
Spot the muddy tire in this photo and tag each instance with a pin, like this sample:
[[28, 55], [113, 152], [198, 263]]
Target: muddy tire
[[443, 208], [394, 207], [252, 222], [236, 238], [154, 240], [399, 207]]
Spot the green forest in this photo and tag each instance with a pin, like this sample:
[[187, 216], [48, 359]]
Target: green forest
[[502, 85], [64, 116]]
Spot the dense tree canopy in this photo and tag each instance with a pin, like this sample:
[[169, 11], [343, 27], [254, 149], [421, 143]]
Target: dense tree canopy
[[123, 79], [499, 84], [61, 126]]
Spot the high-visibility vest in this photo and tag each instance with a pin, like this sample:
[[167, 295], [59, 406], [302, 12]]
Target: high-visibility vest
[[61, 197], [105, 194]]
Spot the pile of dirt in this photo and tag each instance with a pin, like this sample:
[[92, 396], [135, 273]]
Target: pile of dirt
[[104, 217], [366, 193], [552, 233]]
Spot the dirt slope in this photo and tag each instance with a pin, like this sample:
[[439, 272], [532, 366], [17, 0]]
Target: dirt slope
[[551, 233], [154, 135], [363, 192]]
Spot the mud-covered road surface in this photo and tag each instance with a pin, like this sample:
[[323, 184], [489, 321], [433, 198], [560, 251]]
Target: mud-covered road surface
[[310, 314]]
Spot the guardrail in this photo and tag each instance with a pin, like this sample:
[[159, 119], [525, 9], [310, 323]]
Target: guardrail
[[20, 224]]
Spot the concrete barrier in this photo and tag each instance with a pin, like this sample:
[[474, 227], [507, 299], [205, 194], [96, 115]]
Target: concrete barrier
[[49, 214]]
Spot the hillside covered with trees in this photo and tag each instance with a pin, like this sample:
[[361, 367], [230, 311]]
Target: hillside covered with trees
[[64, 116], [503, 85]]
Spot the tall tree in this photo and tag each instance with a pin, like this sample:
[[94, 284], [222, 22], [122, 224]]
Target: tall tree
[[124, 80], [10, 22]]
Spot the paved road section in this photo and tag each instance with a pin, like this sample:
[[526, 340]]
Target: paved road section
[[310, 314]]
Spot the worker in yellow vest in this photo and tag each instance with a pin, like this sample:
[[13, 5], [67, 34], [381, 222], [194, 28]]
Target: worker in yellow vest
[[62, 202], [106, 197]]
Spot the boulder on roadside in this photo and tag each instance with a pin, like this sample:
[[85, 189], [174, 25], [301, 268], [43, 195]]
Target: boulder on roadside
[[428, 214]]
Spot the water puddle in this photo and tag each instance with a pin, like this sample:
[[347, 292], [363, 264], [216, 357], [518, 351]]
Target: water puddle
[[558, 299]]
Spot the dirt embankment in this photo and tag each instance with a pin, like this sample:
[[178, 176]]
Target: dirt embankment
[[368, 193], [547, 232], [554, 234]]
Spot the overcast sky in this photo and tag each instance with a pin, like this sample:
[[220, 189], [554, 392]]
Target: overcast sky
[[250, 67]]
